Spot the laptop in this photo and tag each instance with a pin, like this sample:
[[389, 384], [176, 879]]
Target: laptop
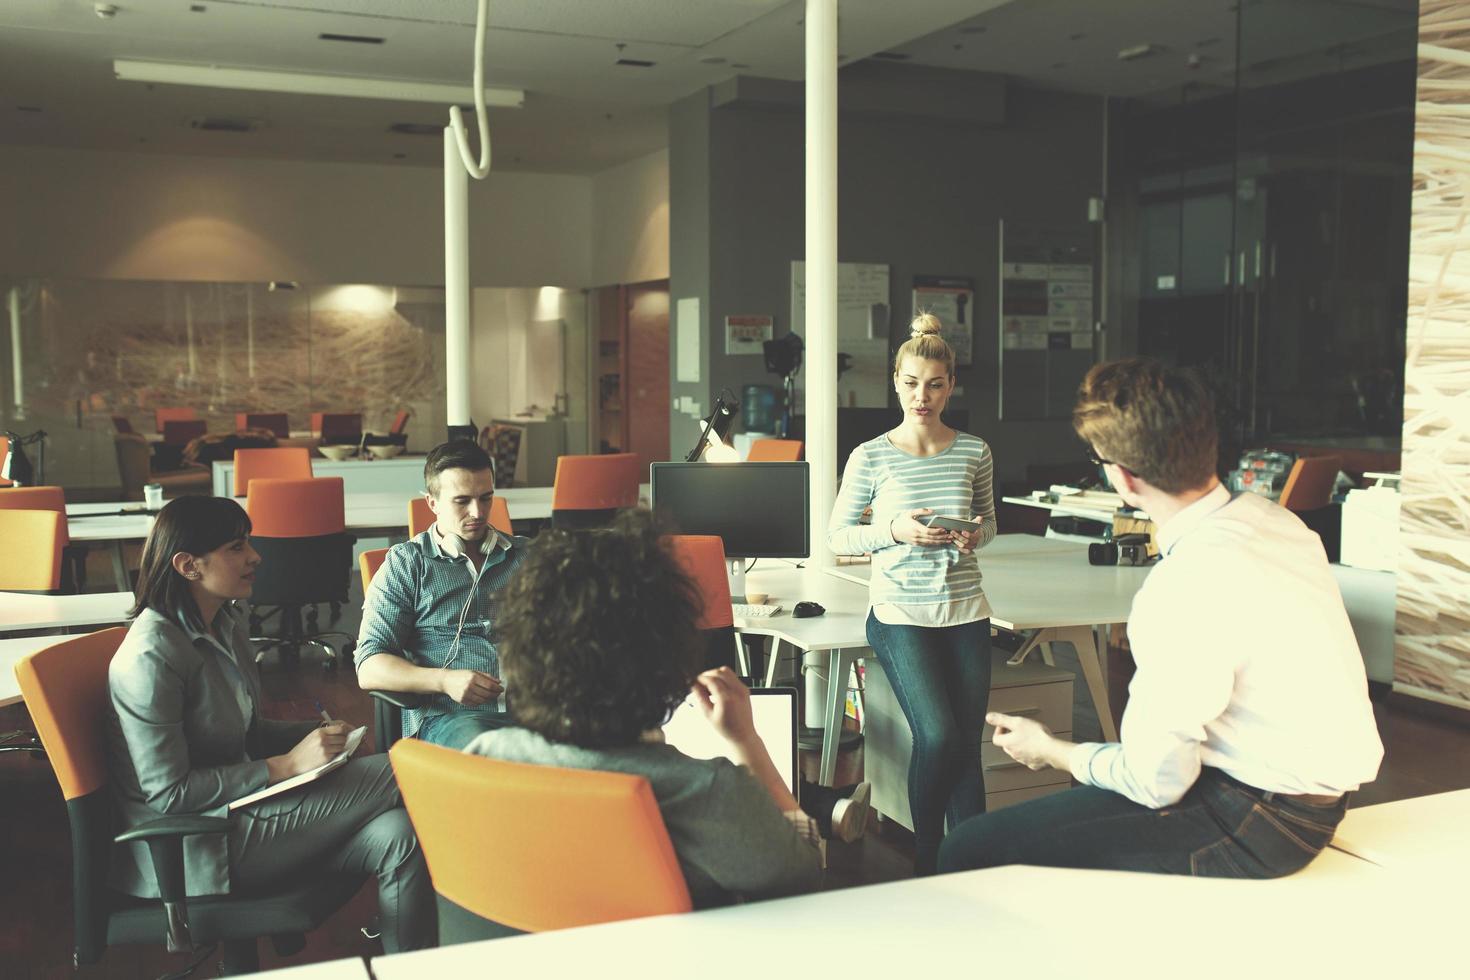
[[774, 711]]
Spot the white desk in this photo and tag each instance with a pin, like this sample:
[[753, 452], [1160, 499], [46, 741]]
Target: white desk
[[401, 474], [1425, 835], [12, 652], [1018, 921], [351, 968], [1041, 587], [20, 611]]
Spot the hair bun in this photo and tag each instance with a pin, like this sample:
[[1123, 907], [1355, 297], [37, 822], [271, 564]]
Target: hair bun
[[925, 325]]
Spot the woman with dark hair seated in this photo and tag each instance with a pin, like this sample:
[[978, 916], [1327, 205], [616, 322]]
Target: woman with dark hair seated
[[185, 736], [598, 645]]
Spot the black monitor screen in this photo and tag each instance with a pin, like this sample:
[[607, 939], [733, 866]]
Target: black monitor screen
[[758, 509]]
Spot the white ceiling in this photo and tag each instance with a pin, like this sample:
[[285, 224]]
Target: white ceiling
[[584, 113]]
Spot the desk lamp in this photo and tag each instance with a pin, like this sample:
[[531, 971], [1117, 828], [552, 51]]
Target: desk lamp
[[17, 466], [711, 443]]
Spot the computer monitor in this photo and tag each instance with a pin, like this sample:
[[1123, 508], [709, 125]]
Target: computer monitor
[[760, 510]]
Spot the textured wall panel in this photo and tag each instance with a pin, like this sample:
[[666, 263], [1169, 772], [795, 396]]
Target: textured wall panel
[[1432, 648]]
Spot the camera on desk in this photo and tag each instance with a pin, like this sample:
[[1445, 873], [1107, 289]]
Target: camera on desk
[[1125, 549]]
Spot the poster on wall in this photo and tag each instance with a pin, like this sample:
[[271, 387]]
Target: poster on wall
[[952, 299], [862, 330], [1046, 318], [746, 333]]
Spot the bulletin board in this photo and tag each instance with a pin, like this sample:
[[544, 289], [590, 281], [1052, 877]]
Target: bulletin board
[[1047, 312], [862, 330]]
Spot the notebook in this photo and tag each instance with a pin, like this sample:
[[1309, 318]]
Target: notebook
[[354, 739], [774, 711]]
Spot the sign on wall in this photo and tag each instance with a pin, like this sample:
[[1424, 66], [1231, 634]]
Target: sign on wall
[[862, 330], [746, 333], [952, 299]]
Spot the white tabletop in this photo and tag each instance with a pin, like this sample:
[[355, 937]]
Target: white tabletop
[[352, 968], [1425, 834], [1018, 921], [23, 611], [12, 651], [1033, 583]]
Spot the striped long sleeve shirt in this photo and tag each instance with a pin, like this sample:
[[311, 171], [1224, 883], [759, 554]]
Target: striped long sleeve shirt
[[953, 483]]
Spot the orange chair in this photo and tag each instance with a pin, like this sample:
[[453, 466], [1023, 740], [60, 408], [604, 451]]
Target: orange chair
[[162, 415], [4, 451], [387, 705], [33, 543], [589, 490], [289, 463], [368, 564], [179, 432], [420, 516], [276, 422], [702, 557], [65, 690], [73, 557], [775, 451], [300, 529], [586, 846], [1309, 484], [400, 423]]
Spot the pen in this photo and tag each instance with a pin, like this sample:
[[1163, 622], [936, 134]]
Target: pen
[[323, 711]]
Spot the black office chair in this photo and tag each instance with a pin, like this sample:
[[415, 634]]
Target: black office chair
[[65, 689], [299, 528]]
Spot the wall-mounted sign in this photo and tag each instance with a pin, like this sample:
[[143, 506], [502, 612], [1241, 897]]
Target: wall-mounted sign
[[746, 333]]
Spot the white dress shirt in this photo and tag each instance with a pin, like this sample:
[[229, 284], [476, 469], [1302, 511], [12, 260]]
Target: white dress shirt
[[1246, 662]]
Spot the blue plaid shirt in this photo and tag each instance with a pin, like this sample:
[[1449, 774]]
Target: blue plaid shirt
[[412, 610]]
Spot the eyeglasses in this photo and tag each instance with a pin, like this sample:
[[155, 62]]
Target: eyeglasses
[[1098, 460]]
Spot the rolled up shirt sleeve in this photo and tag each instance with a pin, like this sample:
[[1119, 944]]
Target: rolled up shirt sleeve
[[388, 609]]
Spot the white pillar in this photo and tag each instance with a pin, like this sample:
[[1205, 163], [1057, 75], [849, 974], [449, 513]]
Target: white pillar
[[189, 333], [456, 284], [17, 356], [820, 366]]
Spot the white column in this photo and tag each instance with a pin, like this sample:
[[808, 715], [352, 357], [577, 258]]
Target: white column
[[17, 356], [820, 367], [456, 284], [189, 334]]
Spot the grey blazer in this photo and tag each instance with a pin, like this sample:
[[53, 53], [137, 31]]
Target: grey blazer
[[184, 736]]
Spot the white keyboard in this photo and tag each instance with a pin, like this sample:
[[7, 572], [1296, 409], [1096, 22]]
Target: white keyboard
[[751, 610]]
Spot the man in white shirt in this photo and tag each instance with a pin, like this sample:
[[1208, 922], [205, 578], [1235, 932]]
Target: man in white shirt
[[1248, 720]]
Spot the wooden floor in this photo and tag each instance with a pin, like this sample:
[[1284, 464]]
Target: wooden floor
[[1423, 756]]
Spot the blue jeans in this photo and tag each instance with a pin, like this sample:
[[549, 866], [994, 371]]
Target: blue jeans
[[1221, 828], [941, 677], [456, 729]]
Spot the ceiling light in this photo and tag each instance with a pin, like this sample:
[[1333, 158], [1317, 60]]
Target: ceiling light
[[351, 38], [1137, 51], [301, 83]]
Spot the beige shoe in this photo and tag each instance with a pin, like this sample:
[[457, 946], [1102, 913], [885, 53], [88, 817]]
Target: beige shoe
[[850, 815]]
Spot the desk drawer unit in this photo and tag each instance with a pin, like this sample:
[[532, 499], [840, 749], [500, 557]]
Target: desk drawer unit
[[1032, 689]]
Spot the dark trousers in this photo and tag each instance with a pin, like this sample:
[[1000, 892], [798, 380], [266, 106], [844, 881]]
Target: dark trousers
[[1221, 828], [941, 678]]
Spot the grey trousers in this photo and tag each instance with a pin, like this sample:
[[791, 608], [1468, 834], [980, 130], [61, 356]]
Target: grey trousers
[[351, 820]]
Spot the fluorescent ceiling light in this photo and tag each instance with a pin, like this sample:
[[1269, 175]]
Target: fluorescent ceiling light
[[303, 83]]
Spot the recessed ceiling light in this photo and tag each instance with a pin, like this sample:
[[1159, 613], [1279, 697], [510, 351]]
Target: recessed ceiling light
[[416, 129], [196, 8], [224, 124], [634, 63], [890, 56]]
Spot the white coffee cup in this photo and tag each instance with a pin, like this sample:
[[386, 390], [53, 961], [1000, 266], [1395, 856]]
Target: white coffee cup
[[153, 495]]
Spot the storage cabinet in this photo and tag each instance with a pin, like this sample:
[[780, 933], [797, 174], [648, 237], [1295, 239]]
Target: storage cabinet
[[1031, 689]]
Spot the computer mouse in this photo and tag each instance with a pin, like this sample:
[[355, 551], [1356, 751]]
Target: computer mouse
[[804, 610]]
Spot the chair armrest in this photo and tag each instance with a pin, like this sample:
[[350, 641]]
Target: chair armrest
[[165, 839], [402, 700]]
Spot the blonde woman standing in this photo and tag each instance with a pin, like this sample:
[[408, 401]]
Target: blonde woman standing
[[929, 621]]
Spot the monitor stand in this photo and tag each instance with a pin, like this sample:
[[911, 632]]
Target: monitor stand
[[735, 571]]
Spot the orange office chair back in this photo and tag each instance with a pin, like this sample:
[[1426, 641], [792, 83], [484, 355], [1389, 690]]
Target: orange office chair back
[[4, 451], [1309, 484], [277, 422], [38, 498], [368, 564], [775, 451], [420, 516], [286, 463], [281, 508], [702, 556], [162, 415], [65, 690], [33, 542], [577, 847], [596, 482], [400, 422]]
